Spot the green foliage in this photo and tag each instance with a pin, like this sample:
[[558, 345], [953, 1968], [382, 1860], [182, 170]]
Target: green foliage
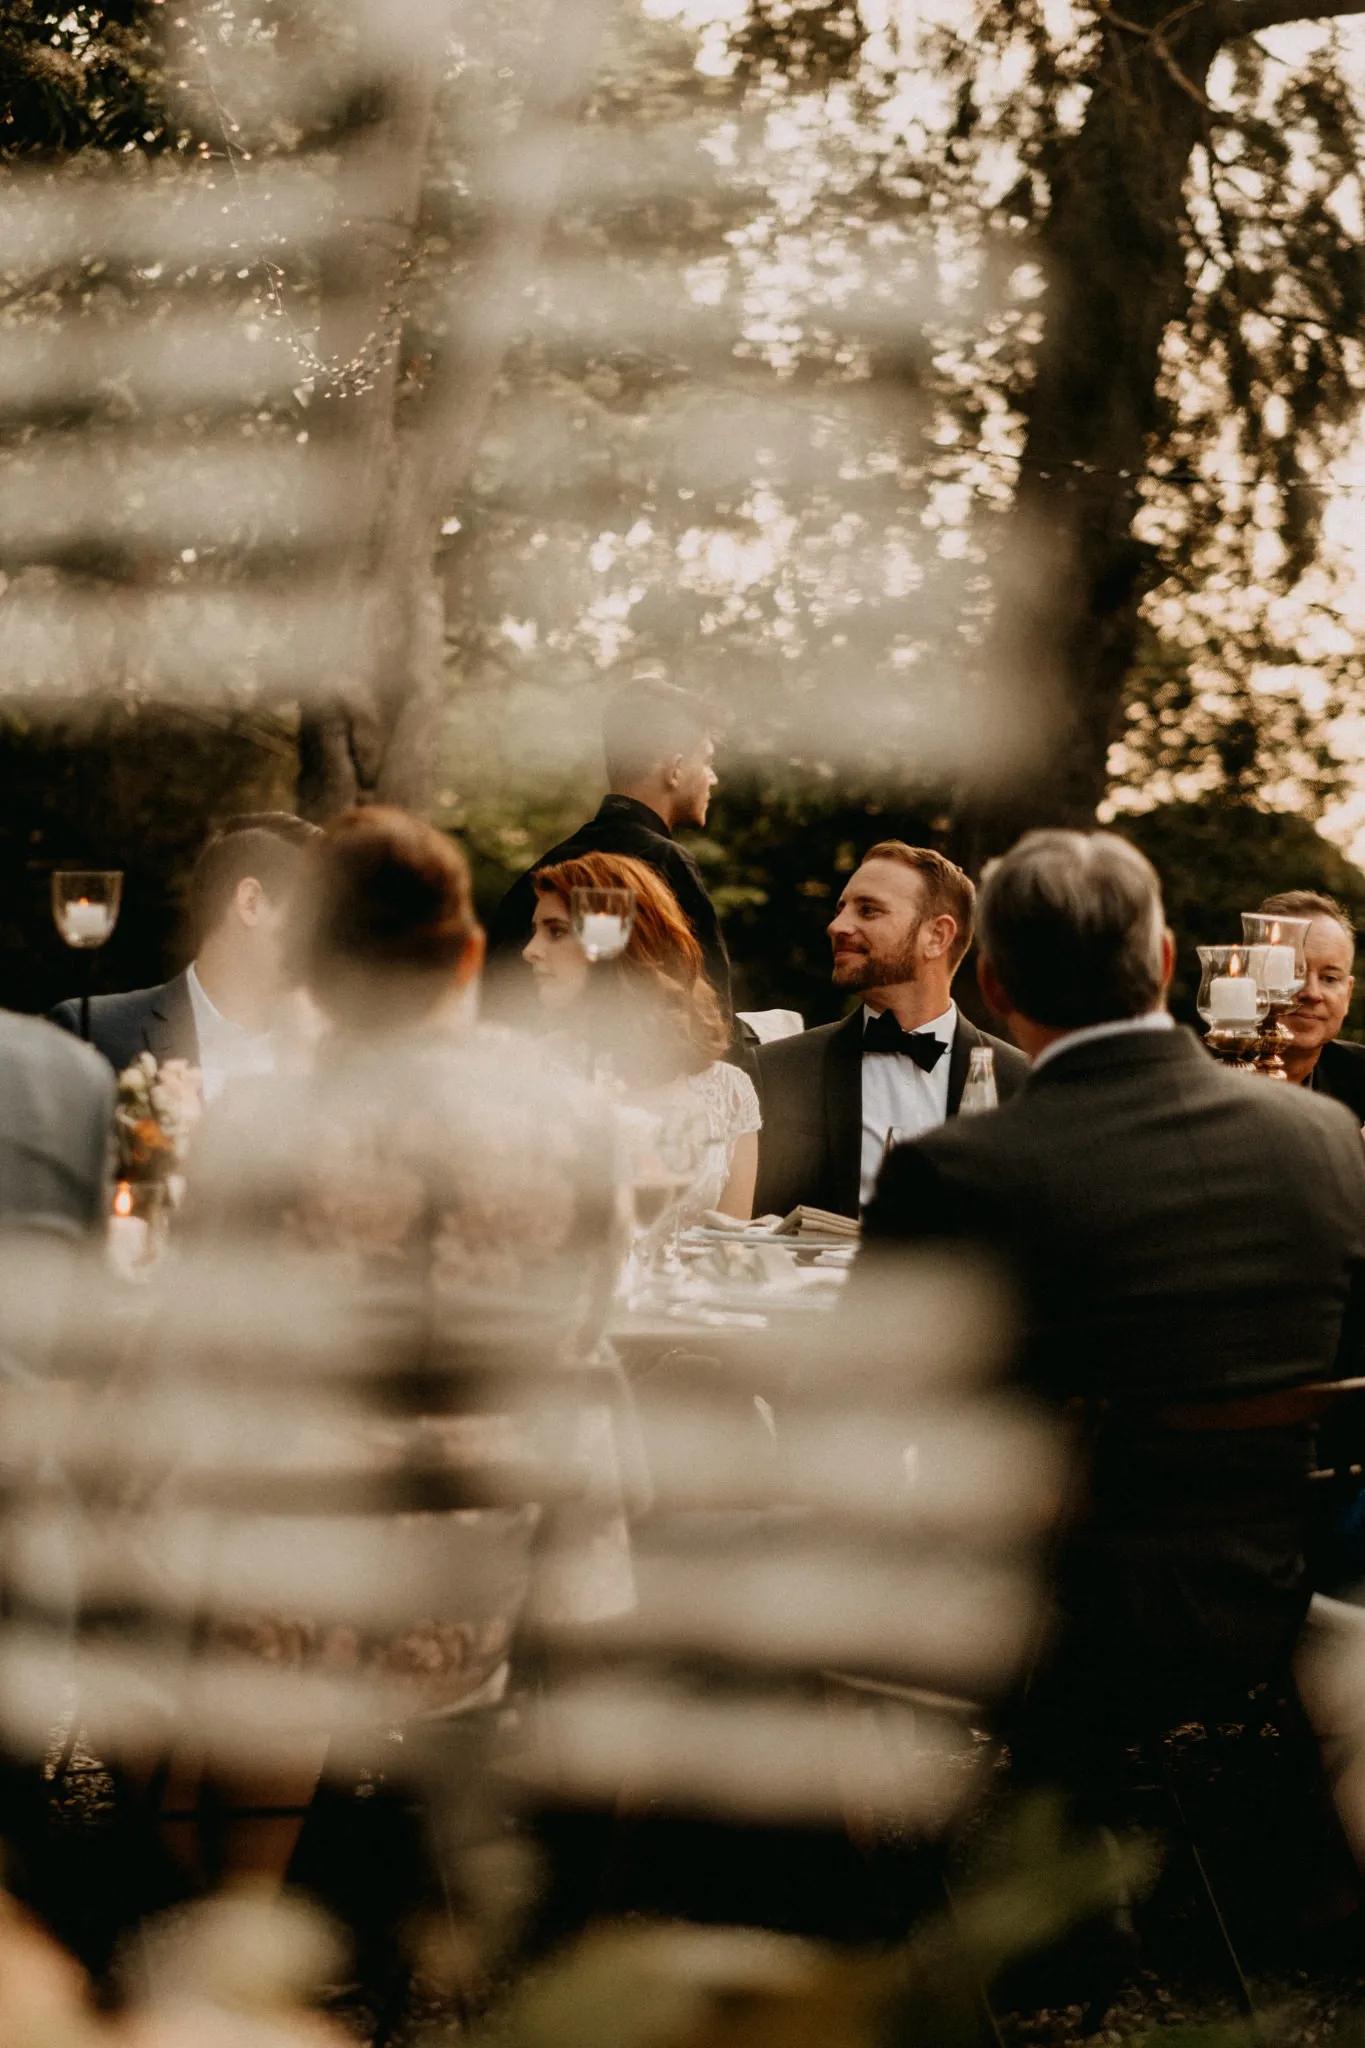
[[80, 77], [1202, 729], [1218, 859], [776, 855]]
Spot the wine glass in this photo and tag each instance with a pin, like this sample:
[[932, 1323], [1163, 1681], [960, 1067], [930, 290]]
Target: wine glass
[[667, 1152], [602, 919], [85, 908]]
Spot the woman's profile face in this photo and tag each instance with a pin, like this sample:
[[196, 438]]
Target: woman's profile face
[[554, 955]]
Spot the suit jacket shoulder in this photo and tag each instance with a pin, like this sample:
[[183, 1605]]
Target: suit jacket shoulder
[[784, 1059], [56, 1111], [159, 1020]]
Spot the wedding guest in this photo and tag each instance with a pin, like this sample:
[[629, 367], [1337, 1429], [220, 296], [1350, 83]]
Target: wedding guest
[[1188, 1249], [219, 1013], [659, 743], [56, 1110], [1318, 1059], [456, 1196], [652, 1015], [900, 1060]]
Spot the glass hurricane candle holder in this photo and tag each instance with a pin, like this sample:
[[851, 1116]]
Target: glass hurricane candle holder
[[1277, 952], [602, 919], [1276, 958], [85, 905], [1231, 1003], [85, 908]]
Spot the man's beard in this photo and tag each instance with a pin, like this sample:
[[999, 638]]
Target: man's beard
[[878, 970]]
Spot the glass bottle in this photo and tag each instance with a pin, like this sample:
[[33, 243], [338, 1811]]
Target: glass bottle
[[980, 1092]]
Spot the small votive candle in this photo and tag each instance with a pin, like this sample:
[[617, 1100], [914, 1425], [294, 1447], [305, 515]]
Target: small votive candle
[[85, 923], [1232, 1000], [128, 1234], [603, 935]]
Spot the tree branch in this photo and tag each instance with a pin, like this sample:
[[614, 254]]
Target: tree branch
[[1249, 17]]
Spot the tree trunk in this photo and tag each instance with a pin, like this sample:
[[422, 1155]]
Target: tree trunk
[[347, 738], [1114, 252]]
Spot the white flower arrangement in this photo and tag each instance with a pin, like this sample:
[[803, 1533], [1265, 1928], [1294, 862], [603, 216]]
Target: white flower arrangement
[[157, 1107]]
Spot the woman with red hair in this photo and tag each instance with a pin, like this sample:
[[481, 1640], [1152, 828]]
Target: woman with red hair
[[650, 1017]]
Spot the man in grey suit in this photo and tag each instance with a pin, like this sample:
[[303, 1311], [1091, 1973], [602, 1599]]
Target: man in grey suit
[[1188, 1247], [56, 1120], [899, 1063]]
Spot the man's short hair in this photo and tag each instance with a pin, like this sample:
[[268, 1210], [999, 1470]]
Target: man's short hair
[[1311, 903], [284, 825], [265, 846], [649, 720], [948, 892], [1072, 925]]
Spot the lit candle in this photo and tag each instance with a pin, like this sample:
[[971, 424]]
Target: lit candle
[[127, 1234], [603, 935], [85, 923], [1232, 1000]]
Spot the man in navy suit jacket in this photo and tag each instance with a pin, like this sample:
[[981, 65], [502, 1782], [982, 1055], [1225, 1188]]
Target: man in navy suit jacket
[[216, 1015]]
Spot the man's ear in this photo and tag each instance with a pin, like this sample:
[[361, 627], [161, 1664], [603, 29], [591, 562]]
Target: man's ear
[[987, 980], [941, 934], [248, 900], [1167, 958], [671, 771]]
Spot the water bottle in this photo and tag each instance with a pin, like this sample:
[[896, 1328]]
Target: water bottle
[[980, 1091]]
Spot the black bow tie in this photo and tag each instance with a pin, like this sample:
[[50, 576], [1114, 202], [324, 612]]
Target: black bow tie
[[884, 1034]]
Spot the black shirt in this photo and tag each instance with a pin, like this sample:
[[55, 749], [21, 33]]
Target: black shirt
[[622, 825]]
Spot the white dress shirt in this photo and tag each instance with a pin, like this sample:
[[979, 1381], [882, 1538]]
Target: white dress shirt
[[1087, 1034], [227, 1051], [899, 1096]]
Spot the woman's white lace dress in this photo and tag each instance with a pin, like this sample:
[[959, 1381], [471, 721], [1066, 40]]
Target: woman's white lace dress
[[725, 1105]]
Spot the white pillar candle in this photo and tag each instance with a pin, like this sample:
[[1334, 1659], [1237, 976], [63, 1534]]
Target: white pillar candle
[[1232, 1000], [1272, 967], [603, 935], [128, 1237], [86, 924]]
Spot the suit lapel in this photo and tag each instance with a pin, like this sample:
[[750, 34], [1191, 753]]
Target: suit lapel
[[844, 1113], [959, 1059], [169, 1030]]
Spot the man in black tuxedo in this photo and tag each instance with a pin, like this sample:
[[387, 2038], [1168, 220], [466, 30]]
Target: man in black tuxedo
[[659, 742], [1187, 1245], [217, 1014], [1318, 1059], [900, 1061]]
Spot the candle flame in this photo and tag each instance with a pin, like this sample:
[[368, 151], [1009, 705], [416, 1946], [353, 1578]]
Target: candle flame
[[1234, 963], [1275, 933], [123, 1199]]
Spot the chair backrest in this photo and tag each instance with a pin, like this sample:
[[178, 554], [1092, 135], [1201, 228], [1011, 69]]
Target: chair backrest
[[767, 1025]]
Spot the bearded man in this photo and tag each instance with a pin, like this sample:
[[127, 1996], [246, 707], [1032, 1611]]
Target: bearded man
[[898, 1063]]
